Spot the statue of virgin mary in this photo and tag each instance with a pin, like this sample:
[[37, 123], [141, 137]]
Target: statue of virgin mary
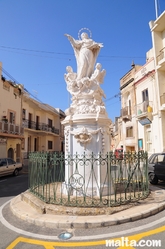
[[86, 51]]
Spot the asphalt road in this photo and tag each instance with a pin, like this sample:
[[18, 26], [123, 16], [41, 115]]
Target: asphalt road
[[18, 234]]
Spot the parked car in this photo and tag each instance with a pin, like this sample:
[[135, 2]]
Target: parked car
[[156, 167], [8, 167]]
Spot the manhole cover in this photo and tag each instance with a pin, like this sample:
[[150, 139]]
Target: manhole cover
[[65, 236]]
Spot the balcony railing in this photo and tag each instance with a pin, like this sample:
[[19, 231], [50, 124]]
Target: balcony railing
[[9, 128], [39, 126], [144, 108], [161, 55], [125, 113]]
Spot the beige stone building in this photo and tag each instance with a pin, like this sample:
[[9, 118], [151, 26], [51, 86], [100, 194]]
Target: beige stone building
[[11, 131], [141, 125], [139, 119], [146, 106], [42, 126], [128, 122], [26, 125], [116, 134]]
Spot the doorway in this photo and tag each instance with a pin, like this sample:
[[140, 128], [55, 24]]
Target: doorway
[[10, 153]]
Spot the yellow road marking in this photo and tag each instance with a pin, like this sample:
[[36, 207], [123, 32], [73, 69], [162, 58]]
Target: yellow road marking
[[51, 245]]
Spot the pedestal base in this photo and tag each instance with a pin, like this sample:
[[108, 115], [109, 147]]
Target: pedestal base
[[105, 190]]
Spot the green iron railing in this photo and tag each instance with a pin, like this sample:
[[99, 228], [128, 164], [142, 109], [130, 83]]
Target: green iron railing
[[88, 180]]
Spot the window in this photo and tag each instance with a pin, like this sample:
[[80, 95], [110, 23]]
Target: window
[[50, 145], [129, 131], [12, 118], [145, 99], [30, 121], [10, 161], [50, 122], [23, 113], [3, 162], [145, 96], [160, 159]]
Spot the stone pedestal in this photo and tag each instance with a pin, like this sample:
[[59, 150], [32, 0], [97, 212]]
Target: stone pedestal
[[85, 138]]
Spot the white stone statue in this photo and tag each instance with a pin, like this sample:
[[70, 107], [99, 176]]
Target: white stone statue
[[86, 122], [86, 51], [84, 85]]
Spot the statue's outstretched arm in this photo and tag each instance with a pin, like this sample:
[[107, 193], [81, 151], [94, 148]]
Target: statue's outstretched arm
[[72, 41]]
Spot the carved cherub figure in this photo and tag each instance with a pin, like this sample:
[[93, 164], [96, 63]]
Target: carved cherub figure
[[70, 76], [70, 79], [98, 75]]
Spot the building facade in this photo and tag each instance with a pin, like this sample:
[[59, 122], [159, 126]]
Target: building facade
[[128, 113], [11, 130], [146, 106], [157, 28], [142, 120], [26, 125], [42, 126]]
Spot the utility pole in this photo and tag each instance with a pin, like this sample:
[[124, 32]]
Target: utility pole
[[156, 8]]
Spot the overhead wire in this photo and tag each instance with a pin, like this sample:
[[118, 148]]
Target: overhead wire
[[115, 96], [51, 52], [113, 103], [59, 53], [16, 82], [64, 53]]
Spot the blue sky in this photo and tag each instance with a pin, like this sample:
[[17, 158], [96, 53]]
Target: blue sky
[[35, 52]]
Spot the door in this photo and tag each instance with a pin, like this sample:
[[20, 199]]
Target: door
[[29, 143], [11, 153], [35, 144], [30, 121]]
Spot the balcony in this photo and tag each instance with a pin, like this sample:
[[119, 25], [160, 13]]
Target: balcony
[[9, 128], [125, 114], [144, 110], [39, 127], [161, 60]]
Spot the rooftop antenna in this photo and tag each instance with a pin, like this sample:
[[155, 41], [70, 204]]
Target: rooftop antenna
[[132, 64], [156, 8]]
